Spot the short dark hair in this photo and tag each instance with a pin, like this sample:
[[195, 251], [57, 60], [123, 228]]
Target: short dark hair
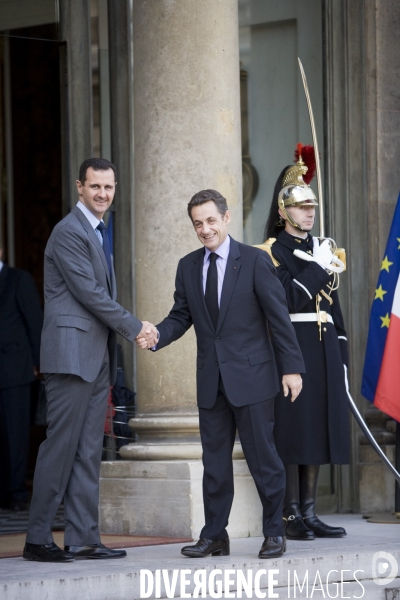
[[97, 164], [205, 196]]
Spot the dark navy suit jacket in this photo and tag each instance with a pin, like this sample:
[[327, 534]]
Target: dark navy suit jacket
[[21, 322], [253, 305]]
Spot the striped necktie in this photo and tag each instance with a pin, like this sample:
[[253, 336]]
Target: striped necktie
[[106, 244]]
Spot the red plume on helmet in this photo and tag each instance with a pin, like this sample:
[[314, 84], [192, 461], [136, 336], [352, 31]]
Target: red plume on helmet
[[308, 155]]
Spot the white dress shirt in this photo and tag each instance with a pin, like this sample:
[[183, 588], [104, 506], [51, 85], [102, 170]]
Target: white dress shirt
[[94, 221]]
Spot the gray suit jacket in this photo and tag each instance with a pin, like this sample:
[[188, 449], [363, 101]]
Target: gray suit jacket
[[81, 314]]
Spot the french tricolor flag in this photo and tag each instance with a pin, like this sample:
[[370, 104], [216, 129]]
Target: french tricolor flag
[[381, 376], [387, 395]]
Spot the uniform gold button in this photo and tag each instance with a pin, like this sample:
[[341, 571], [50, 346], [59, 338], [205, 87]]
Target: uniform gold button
[[324, 328]]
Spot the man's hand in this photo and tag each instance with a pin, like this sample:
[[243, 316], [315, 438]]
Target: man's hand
[[148, 337], [294, 383]]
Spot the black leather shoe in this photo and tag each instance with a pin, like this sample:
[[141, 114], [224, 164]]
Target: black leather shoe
[[273, 547], [206, 547], [321, 529], [46, 553], [94, 551], [296, 529]]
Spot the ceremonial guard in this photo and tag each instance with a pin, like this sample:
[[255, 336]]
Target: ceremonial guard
[[314, 430]]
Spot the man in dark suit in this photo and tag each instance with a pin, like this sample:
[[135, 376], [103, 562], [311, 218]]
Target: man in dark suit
[[79, 361], [232, 296], [21, 321]]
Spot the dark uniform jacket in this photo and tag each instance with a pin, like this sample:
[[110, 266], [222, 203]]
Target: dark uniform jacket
[[252, 302], [20, 326], [315, 428]]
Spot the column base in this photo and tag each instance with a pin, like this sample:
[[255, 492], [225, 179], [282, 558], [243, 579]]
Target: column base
[[172, 451], [376, 483], [164, 498]]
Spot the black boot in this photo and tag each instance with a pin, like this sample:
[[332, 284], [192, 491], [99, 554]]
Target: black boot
[[295, 528], [308, 494]]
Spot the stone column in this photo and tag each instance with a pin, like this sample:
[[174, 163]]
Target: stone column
[[382, 110], [121, 115], [187, 138], [76, 92], [362, 173]]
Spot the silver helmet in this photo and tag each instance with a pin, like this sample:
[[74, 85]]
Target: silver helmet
[[295, 192]]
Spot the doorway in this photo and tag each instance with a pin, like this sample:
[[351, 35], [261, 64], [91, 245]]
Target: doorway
[[31, 146], [30, 158]]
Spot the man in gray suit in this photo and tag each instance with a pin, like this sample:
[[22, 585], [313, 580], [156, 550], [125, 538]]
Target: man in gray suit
[[78, 359]]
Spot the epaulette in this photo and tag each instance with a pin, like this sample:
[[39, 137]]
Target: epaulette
[[341, 254], [267, 247]]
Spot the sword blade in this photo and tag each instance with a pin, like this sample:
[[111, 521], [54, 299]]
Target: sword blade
[[315, 142], [367, 433]]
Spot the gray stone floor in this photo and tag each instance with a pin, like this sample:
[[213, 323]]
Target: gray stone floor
[[344, 560]]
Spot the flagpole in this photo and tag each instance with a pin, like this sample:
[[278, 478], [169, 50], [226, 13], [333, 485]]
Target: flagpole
[[397, 464]]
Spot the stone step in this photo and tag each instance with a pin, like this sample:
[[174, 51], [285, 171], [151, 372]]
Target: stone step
[[368, 591], [365, 589], [348, 559]]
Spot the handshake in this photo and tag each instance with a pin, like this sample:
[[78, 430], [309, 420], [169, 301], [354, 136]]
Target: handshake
[[148, 337]]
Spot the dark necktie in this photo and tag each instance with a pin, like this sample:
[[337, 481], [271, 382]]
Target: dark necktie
[[211, 296], [106, 244]]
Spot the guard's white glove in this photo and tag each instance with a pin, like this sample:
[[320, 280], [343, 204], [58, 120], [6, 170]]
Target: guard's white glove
[[323, 256], [322, 251]]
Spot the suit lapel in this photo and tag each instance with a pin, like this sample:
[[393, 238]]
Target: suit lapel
[[113, 282], [197, 276], [3, 278], [231, 274], [94, 239]]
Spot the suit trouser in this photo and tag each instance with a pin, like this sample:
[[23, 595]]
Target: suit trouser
[[68, 463], [14, 441], [254, 423]]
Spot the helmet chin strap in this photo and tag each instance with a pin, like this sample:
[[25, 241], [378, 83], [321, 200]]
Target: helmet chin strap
[[291, 220]]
